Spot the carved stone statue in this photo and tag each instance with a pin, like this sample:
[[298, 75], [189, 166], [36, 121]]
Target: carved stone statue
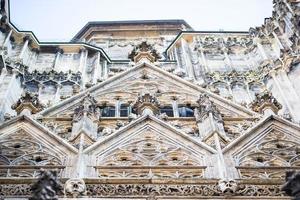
[[292, 185], [47, 187]]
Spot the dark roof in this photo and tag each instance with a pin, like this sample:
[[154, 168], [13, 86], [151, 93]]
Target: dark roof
[[131, 22]]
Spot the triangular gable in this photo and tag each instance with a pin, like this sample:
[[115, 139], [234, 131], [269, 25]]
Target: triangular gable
[[130, 79], [150, 148], [261, 130], [156, 125], [36, 132]]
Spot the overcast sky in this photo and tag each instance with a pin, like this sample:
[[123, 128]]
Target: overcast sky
[[60, 20]]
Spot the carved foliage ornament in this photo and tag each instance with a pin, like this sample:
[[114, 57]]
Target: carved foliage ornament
[[88, 106], [144, 50], [206, 106], [28, 101], [265, 100]]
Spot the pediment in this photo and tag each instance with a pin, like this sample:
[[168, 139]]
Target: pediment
[[147, 78], [149, 148], [36, 132], [149, 125], [270, 128], [26, 147]]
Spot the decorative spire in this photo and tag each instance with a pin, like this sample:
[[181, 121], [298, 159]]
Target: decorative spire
[[144, 52], [146, 104], [28, 103], [88, 107], [265, 102], [47, 187]]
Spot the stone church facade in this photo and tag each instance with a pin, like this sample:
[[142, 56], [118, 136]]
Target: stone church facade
[[152, 109]]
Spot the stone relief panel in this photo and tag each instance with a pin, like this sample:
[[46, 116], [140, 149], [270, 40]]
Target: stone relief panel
[[270, 157], [23, 156]]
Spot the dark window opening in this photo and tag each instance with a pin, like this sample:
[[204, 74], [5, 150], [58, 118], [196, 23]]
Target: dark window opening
[[108, 111], [168, 110], [185, 111], [124, 110]]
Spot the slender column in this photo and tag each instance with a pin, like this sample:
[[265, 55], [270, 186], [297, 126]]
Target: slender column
[[260, 48], [57, 94], [105, 74], [188, 64], [221, 162], [227, 59], [175, 107], [7, 39], [97, 70], [248, 92], [176, 57], [82, 61], [282, 94], [277, 40], [203, 57], [25, 46], [117, 107], [3, 74], [57, 57]]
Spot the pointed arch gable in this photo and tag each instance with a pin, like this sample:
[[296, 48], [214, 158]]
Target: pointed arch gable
[[161, 78], [267, 150], [149, 148]]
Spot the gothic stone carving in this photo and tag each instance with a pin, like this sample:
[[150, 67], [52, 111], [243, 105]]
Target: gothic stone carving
[[144, 50], [292, 185], [75, 188], [28, 101], [47, 187]]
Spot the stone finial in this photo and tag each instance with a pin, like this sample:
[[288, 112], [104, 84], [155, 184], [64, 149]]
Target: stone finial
[[85, 118], [209, 119], [292, 185], [206, 106], [265, 103], [144, 52], [88, 107], [146, 104], [28, 104], [47, 187]]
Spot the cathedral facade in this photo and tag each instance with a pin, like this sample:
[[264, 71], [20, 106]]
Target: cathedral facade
[[152, 109]]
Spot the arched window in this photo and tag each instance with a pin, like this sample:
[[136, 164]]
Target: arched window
[[32, 86], [185, 111], [108, 111], [48, 92], [223, 89], [168, 110], [66, 90], [239, 93]]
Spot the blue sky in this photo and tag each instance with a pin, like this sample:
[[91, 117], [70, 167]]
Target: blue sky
[[60, 20]]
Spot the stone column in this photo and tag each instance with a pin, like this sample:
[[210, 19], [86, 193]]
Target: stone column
[[287, 92], [257, 41], [97, 69], [188, 64], [57, 57], [25, 46], [7, 39]]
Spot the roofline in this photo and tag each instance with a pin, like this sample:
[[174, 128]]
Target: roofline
[[33, 36], [203, 32], [129, 22], [84, 44]]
